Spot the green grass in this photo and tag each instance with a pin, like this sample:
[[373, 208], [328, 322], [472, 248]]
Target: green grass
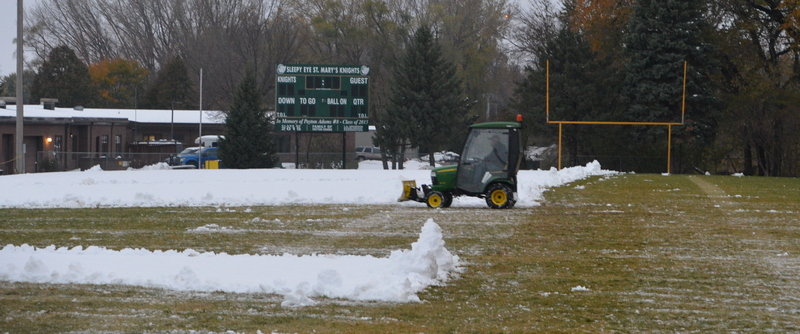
[[657, 253]]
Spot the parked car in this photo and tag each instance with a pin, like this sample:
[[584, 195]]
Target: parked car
[[205, 154], [175, 159], [444, 157], [368, 153]]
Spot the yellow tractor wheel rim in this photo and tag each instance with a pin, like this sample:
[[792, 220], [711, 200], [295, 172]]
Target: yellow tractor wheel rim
[[435, 201], [499, 197]]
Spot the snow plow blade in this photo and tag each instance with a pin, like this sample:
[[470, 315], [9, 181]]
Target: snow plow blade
[[409, 191]]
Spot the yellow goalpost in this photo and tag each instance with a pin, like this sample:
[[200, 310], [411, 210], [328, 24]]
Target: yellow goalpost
[[668, 124]]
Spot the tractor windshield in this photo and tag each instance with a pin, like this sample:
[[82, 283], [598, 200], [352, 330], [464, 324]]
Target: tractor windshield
[[485, 158]]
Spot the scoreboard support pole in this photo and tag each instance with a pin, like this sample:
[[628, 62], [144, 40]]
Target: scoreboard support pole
[[344, 150], [297, 150]]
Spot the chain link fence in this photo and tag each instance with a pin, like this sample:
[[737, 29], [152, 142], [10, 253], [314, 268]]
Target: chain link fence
[[65, 161], [47, 161], [318, 160], [638, 164]]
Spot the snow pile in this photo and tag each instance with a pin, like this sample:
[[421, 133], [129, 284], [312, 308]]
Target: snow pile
[[397, 278], [532, 184], [158, 166], [299, 279], [156, 186]]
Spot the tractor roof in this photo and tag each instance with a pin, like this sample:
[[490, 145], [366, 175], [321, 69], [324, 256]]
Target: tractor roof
[[492, 125]]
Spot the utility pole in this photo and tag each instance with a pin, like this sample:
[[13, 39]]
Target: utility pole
[[200, 125], [20, 154]]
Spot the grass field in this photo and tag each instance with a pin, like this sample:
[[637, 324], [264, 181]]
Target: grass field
[[627, 253]]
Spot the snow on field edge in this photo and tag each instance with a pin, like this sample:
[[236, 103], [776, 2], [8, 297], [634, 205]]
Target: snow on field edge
[[156, 186]]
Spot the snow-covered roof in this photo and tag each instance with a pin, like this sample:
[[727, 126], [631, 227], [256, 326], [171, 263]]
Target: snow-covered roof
[[133, 115]]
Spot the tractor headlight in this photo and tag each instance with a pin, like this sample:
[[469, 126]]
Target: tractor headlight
[[434, 180]]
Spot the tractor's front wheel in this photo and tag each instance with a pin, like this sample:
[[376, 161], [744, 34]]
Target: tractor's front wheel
[[447, 199], [436, 200], [500, 196]]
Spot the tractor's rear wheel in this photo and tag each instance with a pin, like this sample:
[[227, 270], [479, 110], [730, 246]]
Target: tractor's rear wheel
[[435, 200], [500, 196]]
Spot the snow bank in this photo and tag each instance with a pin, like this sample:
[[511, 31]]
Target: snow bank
[[299, 279], [532, 184], [157, 186], [397, 278]]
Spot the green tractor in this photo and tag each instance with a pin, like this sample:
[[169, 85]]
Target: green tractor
[[487, 169]]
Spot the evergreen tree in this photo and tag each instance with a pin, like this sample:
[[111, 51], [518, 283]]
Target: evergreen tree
[[662, 35], [172, 84], [8, 85], [65, 77], [428, 104], [248, 141], [579, 91], [583, 87], [392, 137]]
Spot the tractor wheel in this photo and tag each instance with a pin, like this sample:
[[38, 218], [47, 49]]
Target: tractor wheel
[[435, 200], [447, 200], [500, 196]]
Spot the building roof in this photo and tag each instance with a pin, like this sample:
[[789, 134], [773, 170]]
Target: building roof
[[138, 115]]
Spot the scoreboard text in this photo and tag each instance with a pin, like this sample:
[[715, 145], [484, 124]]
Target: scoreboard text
[[322, 98]]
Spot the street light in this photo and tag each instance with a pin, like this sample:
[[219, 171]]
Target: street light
[[172, 122]]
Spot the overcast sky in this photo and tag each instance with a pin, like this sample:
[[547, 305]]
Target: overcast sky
[[8, 31]]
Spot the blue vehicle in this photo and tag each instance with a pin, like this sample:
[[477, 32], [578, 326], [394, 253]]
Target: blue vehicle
[[205, 154], [174, 160]]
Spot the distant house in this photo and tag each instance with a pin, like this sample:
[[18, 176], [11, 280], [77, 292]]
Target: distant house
[[79, 136]]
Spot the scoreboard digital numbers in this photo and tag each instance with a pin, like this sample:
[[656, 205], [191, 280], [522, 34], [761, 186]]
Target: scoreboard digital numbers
[[322, 98]]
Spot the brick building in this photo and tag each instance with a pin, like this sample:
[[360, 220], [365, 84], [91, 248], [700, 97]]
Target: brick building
[[72, 138]]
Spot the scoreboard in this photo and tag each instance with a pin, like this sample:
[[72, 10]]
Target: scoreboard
[[322, 98]]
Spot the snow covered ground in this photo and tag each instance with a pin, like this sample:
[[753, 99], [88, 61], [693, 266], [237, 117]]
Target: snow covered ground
[[298, 278]]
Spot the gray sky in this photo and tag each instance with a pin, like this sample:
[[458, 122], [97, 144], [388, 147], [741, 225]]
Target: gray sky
[[8, 31]]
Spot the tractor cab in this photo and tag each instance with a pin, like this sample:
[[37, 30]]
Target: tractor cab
[[487, 169]]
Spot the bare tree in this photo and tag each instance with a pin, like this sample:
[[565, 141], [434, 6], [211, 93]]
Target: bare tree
[[76, 23], [532, 29], [221, 36]]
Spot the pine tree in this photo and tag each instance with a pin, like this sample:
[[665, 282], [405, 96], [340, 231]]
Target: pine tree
[[65, 77], [428, 105], [172, 85], [583, 87], [663, 34], [248, 141], [578, 90], [8, 85]]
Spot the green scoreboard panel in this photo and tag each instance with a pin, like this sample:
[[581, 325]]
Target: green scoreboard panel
[[322, 98]]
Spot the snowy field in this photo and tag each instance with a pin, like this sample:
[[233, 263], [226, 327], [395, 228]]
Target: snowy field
[[299, 279]]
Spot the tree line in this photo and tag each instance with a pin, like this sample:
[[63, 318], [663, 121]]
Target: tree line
[[622, 60], [609, 60]]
